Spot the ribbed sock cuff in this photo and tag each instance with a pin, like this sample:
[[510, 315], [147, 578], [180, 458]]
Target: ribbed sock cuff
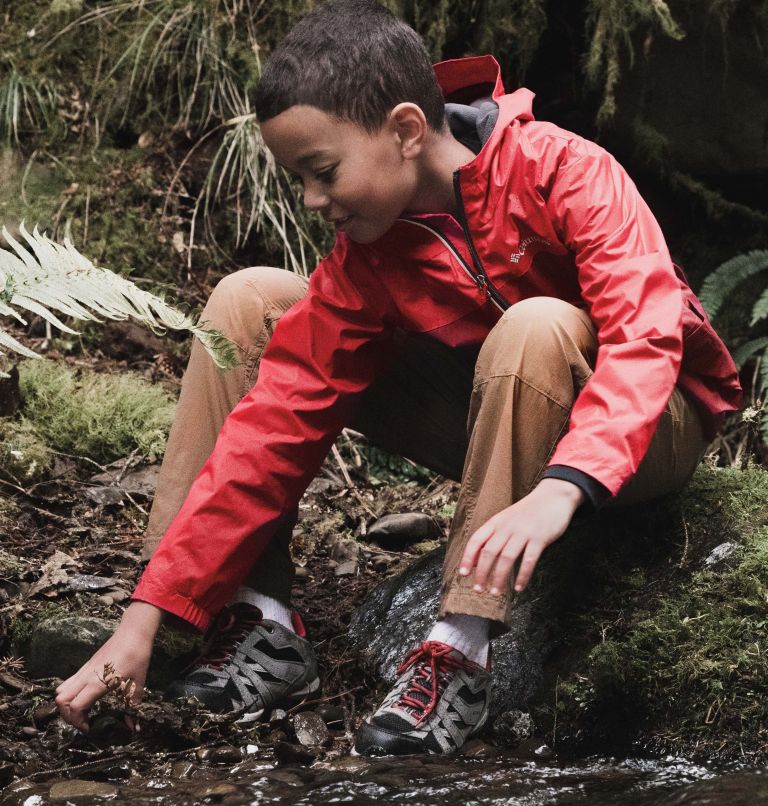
[[469, 634], [270, 608]]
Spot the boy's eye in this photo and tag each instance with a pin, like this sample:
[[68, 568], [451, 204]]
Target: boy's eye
[[327, 176]]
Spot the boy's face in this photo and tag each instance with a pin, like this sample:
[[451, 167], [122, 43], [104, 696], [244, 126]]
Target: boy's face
[[357, 181]]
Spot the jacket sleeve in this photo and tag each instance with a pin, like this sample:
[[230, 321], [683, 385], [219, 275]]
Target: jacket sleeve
[[324, 351], [633, 296]]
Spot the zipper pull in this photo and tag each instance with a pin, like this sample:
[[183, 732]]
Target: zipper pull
[[481, 281]]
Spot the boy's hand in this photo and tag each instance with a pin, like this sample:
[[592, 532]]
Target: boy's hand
[[521, 531], [128, 651]]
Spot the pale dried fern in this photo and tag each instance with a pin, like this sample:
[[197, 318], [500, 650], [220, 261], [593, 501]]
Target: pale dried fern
[[49, 276]]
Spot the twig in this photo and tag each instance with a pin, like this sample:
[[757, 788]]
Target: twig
[[342, 467], [323, 699], [686, 544]]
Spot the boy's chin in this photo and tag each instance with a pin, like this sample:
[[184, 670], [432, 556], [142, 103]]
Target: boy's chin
[[365, 234]]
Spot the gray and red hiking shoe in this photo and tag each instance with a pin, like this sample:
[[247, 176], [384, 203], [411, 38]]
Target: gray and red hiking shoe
[[249, 666], [439, 700]]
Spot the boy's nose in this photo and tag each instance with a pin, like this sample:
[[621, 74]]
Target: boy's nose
[[315, 198]]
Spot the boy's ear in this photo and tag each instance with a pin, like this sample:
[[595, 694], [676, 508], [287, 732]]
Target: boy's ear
[[410, 127]]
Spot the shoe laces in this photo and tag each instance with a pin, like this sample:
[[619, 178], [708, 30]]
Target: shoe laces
[[231, 626], [433, 660]]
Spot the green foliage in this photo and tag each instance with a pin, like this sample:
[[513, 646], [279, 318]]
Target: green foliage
[[610, 24], [718, 287], [101, 417], [24, 456], [58, 277]]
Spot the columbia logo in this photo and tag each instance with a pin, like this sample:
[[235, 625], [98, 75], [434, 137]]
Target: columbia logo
[[525, 243]]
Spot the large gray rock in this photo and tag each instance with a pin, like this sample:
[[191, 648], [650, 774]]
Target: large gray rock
[[61, 645], [399, 613]]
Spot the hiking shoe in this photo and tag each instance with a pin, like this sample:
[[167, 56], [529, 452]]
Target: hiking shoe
[[249, 666], [439, 700]]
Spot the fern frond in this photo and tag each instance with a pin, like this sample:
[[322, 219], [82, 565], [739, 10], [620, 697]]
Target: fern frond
[[760, 308], [57, 276], [744, 352], [761, 387], [724, 279]]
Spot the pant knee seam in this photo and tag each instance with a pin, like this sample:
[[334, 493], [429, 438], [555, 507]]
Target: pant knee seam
[[530, 385]]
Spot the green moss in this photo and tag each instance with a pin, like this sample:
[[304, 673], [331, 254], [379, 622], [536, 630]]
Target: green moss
[[24, 456], [9, 563], [684, 664], [101, 417], [21, 626]]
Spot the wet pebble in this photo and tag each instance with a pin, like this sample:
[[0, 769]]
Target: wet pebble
[[226, 754], [380, 563], [106, 599], [284, 777], [28, 732], [403, 528], [83, 790], [108, 730], [301, 572], [346, 569], [351, 765], [476, 748], [332, 715], [310, 729], [182, 769], [213, 793], [544, 752], [44, 714], [343, 550], [287, 753], [512, 727]]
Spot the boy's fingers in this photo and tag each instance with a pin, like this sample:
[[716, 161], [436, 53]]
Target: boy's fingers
[[533, 551], [474, 546], [488, 556], [505, 564]]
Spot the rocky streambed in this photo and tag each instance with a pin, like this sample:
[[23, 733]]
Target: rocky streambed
[[642, 639]]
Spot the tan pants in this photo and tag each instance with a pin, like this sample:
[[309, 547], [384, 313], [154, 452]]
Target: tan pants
[[494, 423]]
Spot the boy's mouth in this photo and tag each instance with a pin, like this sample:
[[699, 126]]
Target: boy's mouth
[[339, 223]]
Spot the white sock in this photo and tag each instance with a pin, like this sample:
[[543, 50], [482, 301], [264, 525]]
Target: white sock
[[270, 608], [468, 634]]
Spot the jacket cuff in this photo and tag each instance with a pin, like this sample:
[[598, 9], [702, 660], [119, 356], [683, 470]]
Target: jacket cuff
[[171, 602], [597, 494]]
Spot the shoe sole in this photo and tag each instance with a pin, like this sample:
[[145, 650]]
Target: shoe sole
[[292, 699], [477, 729]]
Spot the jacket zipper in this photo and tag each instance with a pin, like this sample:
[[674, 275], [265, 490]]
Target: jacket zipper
[[481, 278]]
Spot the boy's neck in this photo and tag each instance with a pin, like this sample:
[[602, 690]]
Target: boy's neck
[[443, 155]]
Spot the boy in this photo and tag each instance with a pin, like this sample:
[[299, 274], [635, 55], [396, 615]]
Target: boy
[[490, 273]]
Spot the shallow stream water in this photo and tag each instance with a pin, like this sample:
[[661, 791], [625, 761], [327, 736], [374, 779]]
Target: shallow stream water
[[417, 782]]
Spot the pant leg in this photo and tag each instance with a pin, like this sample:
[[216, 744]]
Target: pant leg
[[528, 375], [246, 307]]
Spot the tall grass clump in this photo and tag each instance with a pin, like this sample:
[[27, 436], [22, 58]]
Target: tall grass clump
[[26, 103], [194, 65], [95, 416]]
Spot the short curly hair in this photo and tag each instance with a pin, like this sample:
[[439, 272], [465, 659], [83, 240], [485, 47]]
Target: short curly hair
[[352, 59]]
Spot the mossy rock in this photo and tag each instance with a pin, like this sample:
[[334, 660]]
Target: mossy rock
[[58, 645], [670, 651]]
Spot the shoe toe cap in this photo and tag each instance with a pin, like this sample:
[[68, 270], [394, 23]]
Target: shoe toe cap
[[375, 740]]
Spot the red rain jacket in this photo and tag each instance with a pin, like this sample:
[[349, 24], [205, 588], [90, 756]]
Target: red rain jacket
[[542, 212]]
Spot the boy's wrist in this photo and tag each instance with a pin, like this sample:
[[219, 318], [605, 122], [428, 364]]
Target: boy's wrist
[[143, 619], [566, 490]]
